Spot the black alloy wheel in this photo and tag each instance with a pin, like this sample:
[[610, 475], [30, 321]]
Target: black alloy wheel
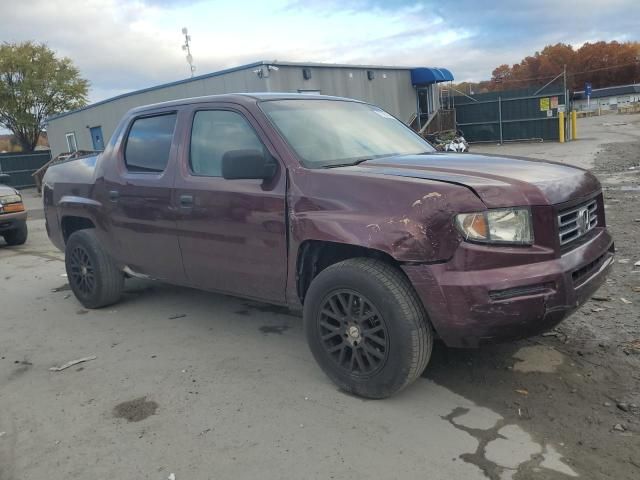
[[93, 276], [353, 332], [366, 327], [82, 272]]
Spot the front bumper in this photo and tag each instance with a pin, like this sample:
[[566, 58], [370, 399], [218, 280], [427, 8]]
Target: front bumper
[[468, 308], [11, 221]]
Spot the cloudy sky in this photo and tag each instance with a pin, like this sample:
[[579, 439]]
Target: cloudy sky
[[122, 45]]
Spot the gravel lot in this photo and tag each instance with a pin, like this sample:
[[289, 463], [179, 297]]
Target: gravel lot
[[212, 387]]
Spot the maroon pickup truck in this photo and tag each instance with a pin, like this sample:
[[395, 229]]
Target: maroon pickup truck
[[334, 207]]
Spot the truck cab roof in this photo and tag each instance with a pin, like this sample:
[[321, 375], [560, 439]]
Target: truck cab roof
[[241, 98]]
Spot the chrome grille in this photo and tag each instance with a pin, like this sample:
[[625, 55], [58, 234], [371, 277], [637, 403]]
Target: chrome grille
[[574, 222]]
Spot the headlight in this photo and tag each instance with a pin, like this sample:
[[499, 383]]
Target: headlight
[[500, 225], [10, 199], [11, 204]]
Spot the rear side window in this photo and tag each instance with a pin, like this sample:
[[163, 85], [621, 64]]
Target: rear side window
[[149, 143], [214, 133]]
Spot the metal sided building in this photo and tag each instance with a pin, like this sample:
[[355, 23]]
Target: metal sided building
[[402, 91], [608, 98]]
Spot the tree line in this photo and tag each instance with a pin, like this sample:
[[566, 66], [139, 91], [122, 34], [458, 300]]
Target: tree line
[[603, 64]]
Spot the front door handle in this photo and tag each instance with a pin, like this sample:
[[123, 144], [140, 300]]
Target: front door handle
[[113, 195], [186, 201]]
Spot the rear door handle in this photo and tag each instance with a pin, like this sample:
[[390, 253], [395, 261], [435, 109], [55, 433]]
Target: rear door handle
[[113, 195], [186, 201]]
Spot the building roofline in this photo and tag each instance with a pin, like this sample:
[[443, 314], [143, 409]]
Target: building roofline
[[610, 88], [224, 72]]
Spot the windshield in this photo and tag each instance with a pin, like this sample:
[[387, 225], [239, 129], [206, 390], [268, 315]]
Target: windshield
[[331, 133]]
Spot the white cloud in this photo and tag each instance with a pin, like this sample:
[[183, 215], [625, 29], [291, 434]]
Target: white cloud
[[122, 45]]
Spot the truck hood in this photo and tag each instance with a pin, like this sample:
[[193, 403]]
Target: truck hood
[[499, 181]]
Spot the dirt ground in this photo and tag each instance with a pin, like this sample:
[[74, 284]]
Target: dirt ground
[[212, 387], [591, 402]]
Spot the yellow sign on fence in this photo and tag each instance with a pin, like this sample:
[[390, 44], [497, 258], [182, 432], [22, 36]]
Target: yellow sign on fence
[[544, 104]]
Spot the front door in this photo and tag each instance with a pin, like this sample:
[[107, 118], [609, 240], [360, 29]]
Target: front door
[[97, 139], [232, 233]]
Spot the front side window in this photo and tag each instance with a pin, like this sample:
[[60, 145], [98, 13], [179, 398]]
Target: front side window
[[214, 133], [72, 145], [330, 133], [149, 143]]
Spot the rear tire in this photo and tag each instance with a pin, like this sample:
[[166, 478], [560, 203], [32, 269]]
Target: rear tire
[[18, 236], [366, 327], [93, 276]]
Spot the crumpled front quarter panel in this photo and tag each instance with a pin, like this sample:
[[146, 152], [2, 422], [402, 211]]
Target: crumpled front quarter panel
[[409, 219]]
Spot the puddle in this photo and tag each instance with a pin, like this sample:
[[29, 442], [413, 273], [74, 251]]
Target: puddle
[[513, 447], [268, 308], [551, 460], [504, 450], [62, 288], [277, 329], [135, 410], [537, 359]]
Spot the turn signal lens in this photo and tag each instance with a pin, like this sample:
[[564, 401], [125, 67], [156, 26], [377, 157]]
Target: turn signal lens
[[473, 225], [13, 207]]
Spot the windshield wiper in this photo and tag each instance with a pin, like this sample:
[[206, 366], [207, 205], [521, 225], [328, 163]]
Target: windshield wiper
[[357, 162]]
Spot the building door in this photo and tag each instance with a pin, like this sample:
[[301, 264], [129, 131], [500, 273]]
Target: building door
[[96, 138]]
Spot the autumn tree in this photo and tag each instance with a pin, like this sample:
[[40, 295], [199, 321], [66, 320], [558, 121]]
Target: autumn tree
[[35, 84], [603, 64], [501, 73]]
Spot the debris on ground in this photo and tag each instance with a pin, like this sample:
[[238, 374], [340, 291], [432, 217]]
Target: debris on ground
[[618, 427], [177, 315], [448, 141], [172, 476], [623, 406], [522, 391], [625, 301], [600, 298], [2, 434], [551, 334], [72, 363]]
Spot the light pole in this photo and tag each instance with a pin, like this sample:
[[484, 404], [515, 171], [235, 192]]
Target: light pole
[[187, 48]]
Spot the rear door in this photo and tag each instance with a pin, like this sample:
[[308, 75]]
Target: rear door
[[138, 195], [232, 233]]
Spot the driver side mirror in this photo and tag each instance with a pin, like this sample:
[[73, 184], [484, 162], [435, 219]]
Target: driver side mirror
[[248, 165]]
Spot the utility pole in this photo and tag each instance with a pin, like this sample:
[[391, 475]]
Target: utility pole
[[566, 100], [187, 48]]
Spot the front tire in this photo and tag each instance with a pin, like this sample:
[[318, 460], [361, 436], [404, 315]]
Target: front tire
[[17, 236], [93, 276], [366, 327]]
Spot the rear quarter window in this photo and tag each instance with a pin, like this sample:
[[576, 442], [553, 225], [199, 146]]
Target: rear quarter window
[[149, 143]]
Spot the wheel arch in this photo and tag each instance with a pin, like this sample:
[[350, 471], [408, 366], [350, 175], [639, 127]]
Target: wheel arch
[[72, 223], [316, 255]]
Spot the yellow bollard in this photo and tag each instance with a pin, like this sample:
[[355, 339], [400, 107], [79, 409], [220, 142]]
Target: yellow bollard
[[574, 125], [561, 127]]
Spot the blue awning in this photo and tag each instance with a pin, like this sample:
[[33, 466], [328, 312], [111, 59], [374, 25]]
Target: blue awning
[[426, 76]]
